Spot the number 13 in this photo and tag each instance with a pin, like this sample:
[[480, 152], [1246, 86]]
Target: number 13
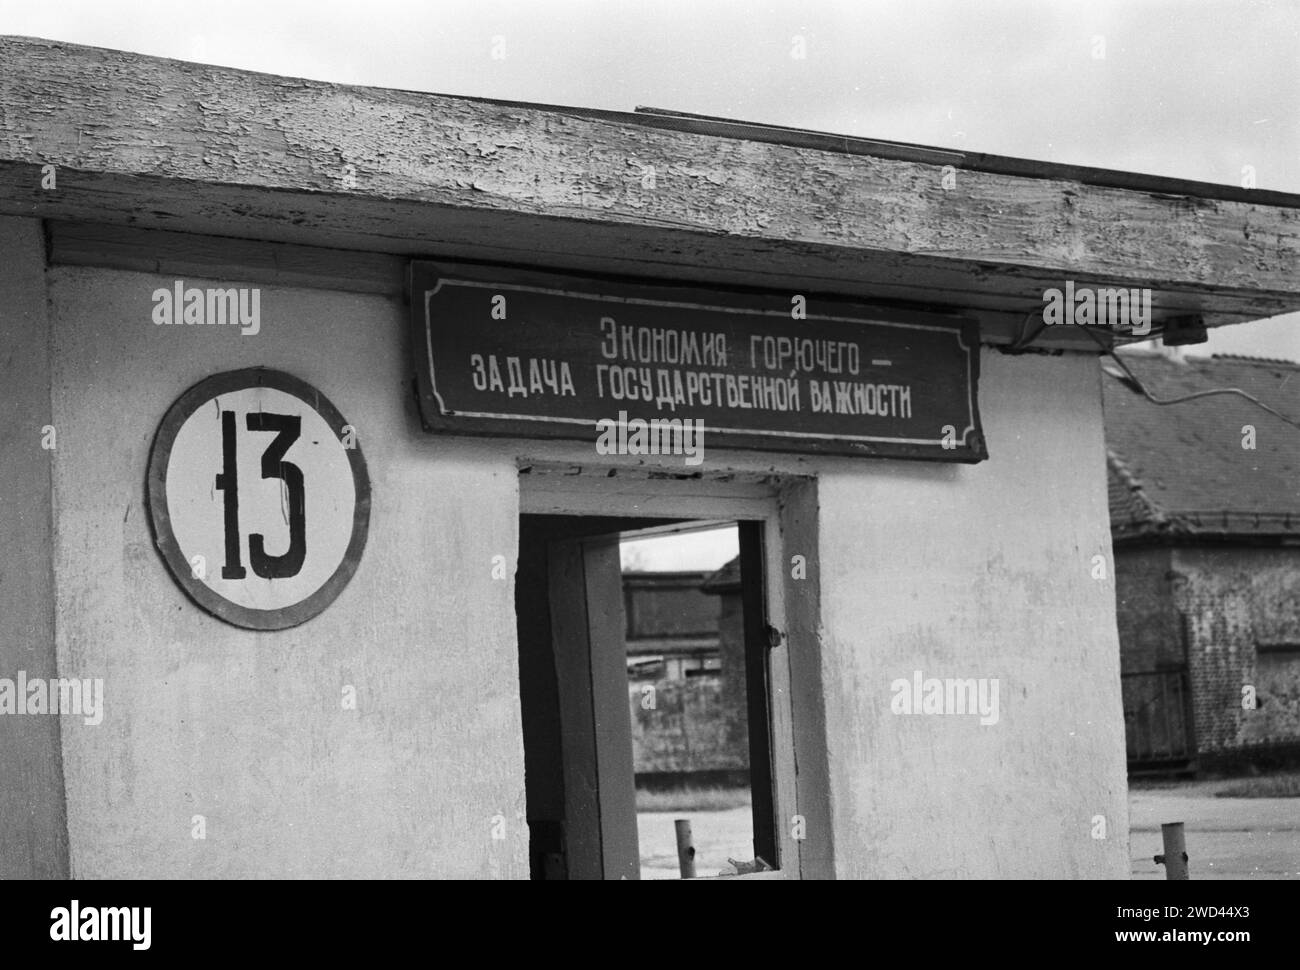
[[287, 429]]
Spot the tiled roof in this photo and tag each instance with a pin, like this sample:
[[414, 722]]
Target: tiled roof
[[1181, 469]]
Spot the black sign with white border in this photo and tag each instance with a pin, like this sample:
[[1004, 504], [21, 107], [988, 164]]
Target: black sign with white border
[[527, 354]]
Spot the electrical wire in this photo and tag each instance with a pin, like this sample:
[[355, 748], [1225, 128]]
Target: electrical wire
[[1186, 397], [1022, 339]]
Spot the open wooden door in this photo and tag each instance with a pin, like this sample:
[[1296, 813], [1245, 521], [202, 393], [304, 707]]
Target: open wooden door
[[587, 628]]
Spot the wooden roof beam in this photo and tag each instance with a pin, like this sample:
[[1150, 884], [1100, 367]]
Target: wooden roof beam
[[155, 143]]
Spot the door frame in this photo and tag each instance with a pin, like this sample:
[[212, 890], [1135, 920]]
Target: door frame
[[786, 506], [586, 597]]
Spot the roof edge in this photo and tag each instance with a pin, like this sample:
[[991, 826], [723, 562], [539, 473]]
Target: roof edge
[[1156, 515], [736, 129]]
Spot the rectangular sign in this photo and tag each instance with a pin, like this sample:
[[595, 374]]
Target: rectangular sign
[[524, 354]]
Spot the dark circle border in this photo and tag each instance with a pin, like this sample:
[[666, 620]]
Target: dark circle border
[[160, 515]]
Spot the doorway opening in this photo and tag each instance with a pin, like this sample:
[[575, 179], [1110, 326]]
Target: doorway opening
[[645, 689]]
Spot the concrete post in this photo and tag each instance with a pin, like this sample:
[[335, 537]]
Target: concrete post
[[685, 849], [1174, 858]]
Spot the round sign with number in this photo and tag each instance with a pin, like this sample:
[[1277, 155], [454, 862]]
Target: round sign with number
[[259, 498]]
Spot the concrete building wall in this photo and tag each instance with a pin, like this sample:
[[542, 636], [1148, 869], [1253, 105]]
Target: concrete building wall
[[981, 571], [1243, 610], [958, 571], [33, 824], [247, 729]]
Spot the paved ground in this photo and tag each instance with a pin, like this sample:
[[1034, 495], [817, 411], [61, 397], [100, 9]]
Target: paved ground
[[1227, 838]]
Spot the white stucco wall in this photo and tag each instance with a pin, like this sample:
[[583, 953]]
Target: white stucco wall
[[959, 571], [981, 571], [246, 728], [33, 828]]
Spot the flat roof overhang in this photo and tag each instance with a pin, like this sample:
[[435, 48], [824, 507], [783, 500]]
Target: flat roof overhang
[[153, 143]]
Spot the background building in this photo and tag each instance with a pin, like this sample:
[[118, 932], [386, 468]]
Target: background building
[[1205, 515], [685, 644]]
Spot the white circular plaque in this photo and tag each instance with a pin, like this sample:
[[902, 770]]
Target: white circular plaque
[[259, 498]]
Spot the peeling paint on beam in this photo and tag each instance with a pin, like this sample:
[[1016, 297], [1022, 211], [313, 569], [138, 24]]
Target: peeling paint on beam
[[346, 223], [373, 162]]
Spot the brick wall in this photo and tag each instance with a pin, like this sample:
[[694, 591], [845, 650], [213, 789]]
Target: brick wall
[[689, 729], [1150, 633], [1242, 605]]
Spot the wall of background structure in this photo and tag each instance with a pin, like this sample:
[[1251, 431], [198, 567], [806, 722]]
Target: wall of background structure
[[983, 571], [246, 729], [1153, 661], [692, 728], [1150, 629], [1243, 610]]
